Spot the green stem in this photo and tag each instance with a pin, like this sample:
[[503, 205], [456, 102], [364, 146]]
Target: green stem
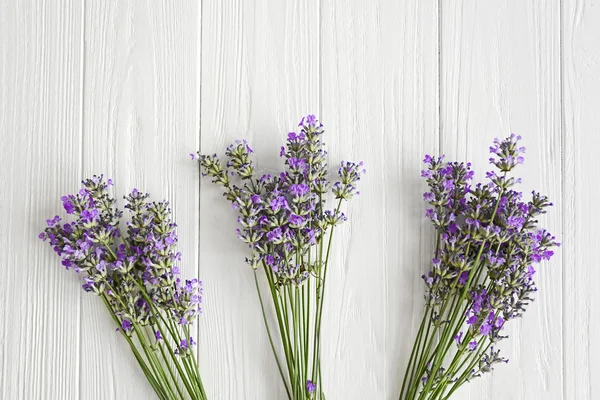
[[176, 338], [173, 378], [290, 296], [288, 316], [194, 386], [320, 302], [189, 365], [307, 325], [151, 357], [280, 320], [262, 308], [445, 341], [139, 358], [198, 377], [179, 361], [453, 326], [463, 378], [413, 353], [320, 296]]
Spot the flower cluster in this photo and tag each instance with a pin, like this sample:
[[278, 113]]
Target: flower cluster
[[137, 278], [488, 243], [485, 230], [284, 215], [136, 273], [287, 226]]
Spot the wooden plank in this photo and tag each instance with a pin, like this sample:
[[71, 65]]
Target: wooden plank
[[127, 103], [40, 121], [260, 75], [379, 104], [581, 85], [500, 73], [140, 123]]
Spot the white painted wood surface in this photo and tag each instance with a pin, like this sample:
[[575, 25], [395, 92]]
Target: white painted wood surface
[[129, 88]]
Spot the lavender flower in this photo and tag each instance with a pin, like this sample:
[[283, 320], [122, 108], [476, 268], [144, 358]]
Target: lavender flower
[[286, 224], [310, 387], [135, 275], [487, 244], [284, 214]]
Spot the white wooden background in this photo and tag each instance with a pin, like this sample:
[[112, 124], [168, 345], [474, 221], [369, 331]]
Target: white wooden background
[[129, 88]]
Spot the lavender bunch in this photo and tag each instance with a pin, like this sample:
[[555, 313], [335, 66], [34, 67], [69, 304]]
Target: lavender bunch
[[487, 245], [288, 228], [137, 279]]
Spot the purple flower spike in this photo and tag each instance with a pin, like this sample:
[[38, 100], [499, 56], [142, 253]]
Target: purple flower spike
[[284, 217], [134, 270], [487, 244], [94, 247]]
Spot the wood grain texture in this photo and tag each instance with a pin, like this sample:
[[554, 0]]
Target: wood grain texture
[[379, 104], [500, 73], [581, 85], [140, 123], [260, 75], [40, 149], [129, 88]]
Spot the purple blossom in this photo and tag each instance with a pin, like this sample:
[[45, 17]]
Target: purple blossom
[[458, 338], [464, 278], [487, 244], [101, 266], [426, 174], [126, 325], [275, 235], [448, 184], [183, 345], [311, 236], [428, 278], [296, 219], [499, 322], [282, 217], [299, 190], [308, 120], [256, 199], [89, 215], [310, 387], [485, 329], [68, 205], [93, 246], [279, 203], [53, 221], [297, 163], [515, 222], [89, 284]]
